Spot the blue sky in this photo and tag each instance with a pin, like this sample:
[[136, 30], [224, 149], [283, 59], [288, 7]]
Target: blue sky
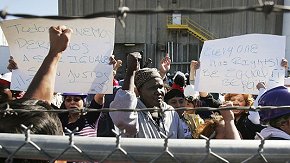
[[32, 7], [35, 7]]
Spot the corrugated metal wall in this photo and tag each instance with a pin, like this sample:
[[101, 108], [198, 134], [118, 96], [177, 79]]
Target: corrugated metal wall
[[150, 34]]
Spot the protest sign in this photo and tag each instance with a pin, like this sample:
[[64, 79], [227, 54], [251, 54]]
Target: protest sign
[[84, 65], [237, 64]]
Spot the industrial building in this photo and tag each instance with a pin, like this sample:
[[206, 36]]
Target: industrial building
[[179, 35]]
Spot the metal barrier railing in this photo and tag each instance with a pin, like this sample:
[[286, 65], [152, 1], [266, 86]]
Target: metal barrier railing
[[102, 149], [51, 148]]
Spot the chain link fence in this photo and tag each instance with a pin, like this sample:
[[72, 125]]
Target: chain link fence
[[102, 149], [118, 149]]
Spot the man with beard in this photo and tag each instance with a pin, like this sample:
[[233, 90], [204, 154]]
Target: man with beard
[[144, 124]]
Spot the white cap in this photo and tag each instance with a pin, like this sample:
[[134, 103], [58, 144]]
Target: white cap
[[7, 76], [189, 91]]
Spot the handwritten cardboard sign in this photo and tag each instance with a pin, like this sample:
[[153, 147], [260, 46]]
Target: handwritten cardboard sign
[[84, 65], [237, 64]]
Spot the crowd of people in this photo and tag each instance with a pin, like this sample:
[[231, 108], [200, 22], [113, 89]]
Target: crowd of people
[[171, 113]]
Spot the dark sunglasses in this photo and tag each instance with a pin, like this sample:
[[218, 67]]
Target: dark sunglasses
[[75, 99]]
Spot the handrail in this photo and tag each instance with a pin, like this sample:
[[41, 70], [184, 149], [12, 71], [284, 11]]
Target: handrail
[[197, 30], [194, 25]]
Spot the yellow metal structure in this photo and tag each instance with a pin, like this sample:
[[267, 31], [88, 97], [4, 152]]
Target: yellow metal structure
[[192, 27]]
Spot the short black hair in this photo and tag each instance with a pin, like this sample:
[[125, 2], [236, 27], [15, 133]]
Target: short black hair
[[173, 93], [45, 123]]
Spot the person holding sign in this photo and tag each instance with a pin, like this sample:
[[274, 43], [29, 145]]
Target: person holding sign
[[246, 128], [245, 125], [144, 124], [243, 119], [86, 123], [39, 94], [207, 99]]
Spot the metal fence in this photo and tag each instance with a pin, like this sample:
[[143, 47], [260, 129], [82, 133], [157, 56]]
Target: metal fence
[[118, 149], [102, 149], [122, 11]]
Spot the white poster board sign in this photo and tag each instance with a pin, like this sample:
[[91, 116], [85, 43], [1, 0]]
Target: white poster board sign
[[84, 65], [237, 64]]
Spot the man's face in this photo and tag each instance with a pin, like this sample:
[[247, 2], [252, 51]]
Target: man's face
[[152, 93], [177, 102]]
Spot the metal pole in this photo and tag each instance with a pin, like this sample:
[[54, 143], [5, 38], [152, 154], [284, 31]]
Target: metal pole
[[144, 150]]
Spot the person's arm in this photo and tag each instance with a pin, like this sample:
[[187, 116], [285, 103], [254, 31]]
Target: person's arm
[[231, 131], [164, 66], [126, 98], [262, 89], [132, 65], [194, 65], [96, 103], [208, 100], [99, 98], [284, 64], [42, 85], [117, 65], [254, 116]]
